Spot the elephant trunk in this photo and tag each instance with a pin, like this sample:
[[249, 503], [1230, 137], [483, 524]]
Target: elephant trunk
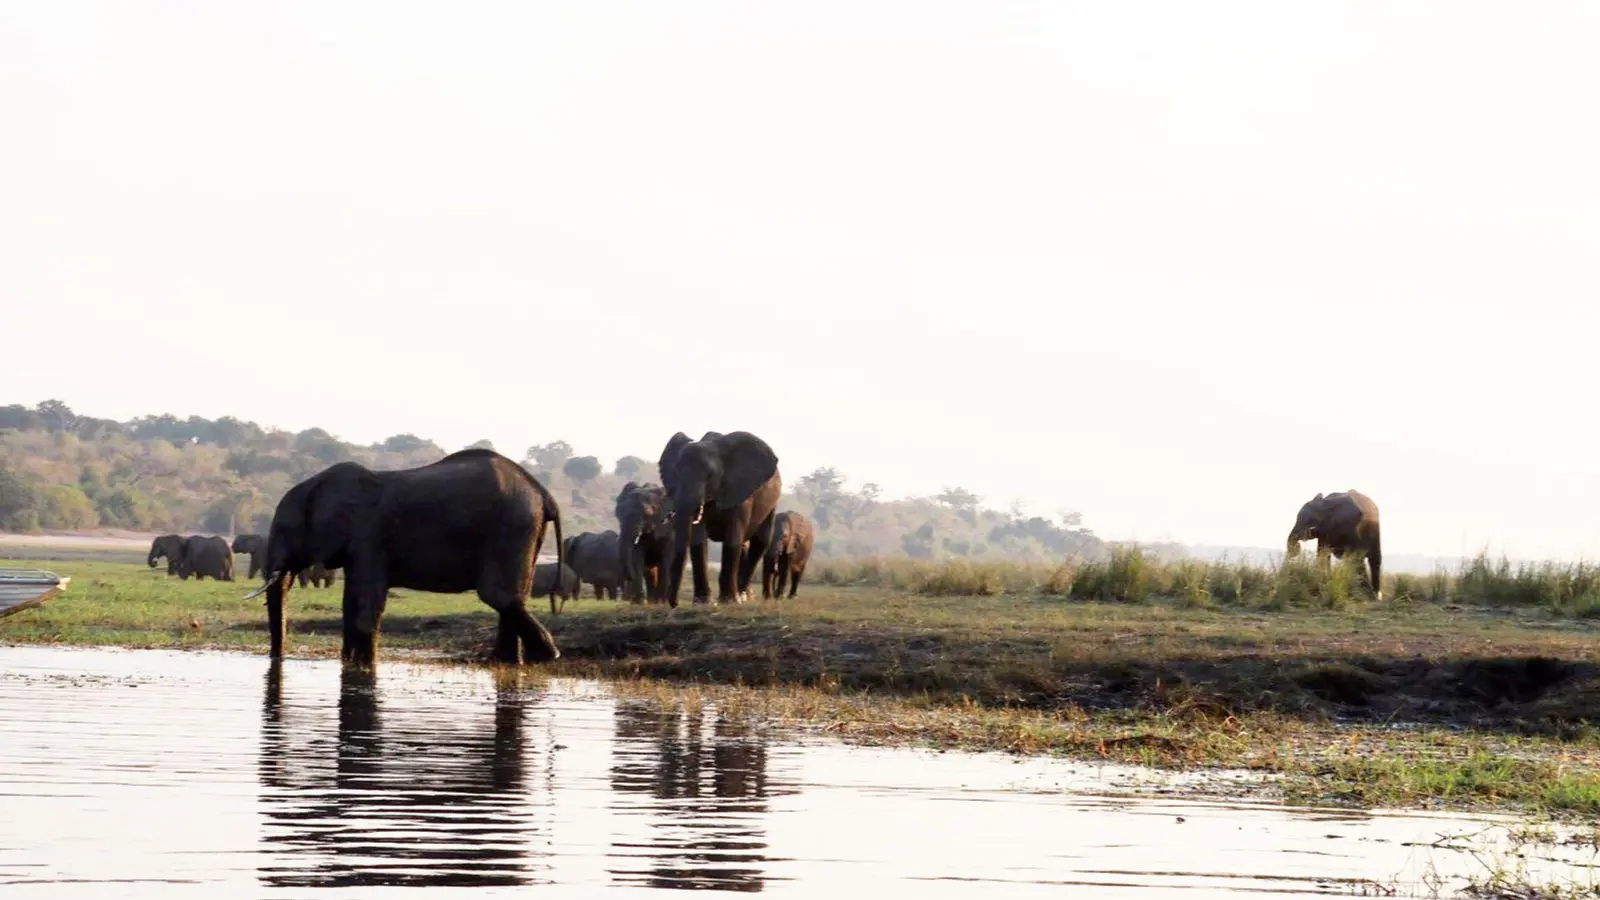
[[683, 534], [627, 545], [1293, 548]]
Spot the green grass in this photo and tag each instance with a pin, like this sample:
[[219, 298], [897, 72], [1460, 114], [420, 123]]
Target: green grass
[[1411, 701]]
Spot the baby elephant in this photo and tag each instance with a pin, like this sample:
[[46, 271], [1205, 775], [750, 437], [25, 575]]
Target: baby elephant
[[786, 556], [544, 576]]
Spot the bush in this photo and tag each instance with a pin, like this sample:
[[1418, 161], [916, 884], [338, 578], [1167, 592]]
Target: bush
[[66, 507]]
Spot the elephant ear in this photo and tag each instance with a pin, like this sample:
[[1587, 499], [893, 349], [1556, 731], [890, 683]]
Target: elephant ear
[[747, 464], [332, 510], [667, 464]]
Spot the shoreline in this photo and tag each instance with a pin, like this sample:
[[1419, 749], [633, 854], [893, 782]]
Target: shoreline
[[1371, 707]]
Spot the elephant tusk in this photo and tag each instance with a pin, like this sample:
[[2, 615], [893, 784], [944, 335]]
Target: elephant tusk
[[258, 591], [699, 514]]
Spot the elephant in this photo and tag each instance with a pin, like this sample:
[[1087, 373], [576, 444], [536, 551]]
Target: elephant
[[169, 546], [792, 540], [544, 579], [644, 547], [1342, 523], [473, 520], [730, 484], [317, 574], [256, 546], [594, 557], [206, 557]]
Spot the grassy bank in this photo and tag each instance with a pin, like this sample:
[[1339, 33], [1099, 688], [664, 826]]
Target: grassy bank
[[1567, 589], [1405, 702]]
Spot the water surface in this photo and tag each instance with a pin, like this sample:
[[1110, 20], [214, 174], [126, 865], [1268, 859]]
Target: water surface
[[179, 774]]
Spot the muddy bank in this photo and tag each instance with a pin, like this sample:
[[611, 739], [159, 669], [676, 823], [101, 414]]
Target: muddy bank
[[1510, 690]]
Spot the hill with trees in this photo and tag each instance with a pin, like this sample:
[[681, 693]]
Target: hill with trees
[[61, 471]]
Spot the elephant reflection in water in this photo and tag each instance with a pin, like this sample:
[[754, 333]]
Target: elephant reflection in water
[[386, 801], [706, 797]]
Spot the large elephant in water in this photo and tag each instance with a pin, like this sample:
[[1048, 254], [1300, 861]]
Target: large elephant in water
[[474, 520], [1342, 523], [786, 557], [730, 484], [644, 546], [594, 557]]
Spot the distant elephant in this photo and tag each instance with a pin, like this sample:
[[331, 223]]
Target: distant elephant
[[169, 546], [206, 557], [474, 520], [644, 547], [594, 557], [318, 575], [256, 545], [730, 484], [1342, 523], [786, 557], [544, 581]]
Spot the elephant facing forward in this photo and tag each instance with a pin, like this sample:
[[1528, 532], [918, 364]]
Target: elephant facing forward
[[729, 484], [1342, 523], [644, 546], [786, 557]]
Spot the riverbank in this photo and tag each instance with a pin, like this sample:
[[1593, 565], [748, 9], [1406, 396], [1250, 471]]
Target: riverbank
[[1407, 704]]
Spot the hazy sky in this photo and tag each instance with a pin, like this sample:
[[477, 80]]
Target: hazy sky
[[1178, 266]]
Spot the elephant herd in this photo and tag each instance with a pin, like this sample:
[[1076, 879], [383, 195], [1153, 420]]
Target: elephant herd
[[205, 557], [476, 521]]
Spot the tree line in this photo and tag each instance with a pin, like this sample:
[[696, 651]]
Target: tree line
[[62, 471]]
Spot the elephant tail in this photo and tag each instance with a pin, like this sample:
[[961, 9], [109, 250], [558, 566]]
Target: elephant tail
[[555, 513]]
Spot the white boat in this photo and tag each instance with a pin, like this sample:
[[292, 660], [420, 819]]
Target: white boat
[[26, 588]]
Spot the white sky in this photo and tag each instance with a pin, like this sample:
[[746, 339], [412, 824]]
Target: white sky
[[1179, 266]]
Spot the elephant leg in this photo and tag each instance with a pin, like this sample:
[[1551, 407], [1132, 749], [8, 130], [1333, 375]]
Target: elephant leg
[[733, 555], [366, 592], [652, 582], [784, 566], [794, 579], [506, 641], [1375, 563], [697, 562], [755, 551], [768, 571]]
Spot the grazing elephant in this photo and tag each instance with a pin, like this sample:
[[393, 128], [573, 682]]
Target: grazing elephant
[[317, 575], [206, 557], [644, 547], [544, 581], [169, 546], [729, 483], [594, 557], [1342, 523], [792, 539], [474, 520]]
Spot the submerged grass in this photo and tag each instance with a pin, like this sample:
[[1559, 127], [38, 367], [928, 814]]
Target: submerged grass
[[1411, 701]]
